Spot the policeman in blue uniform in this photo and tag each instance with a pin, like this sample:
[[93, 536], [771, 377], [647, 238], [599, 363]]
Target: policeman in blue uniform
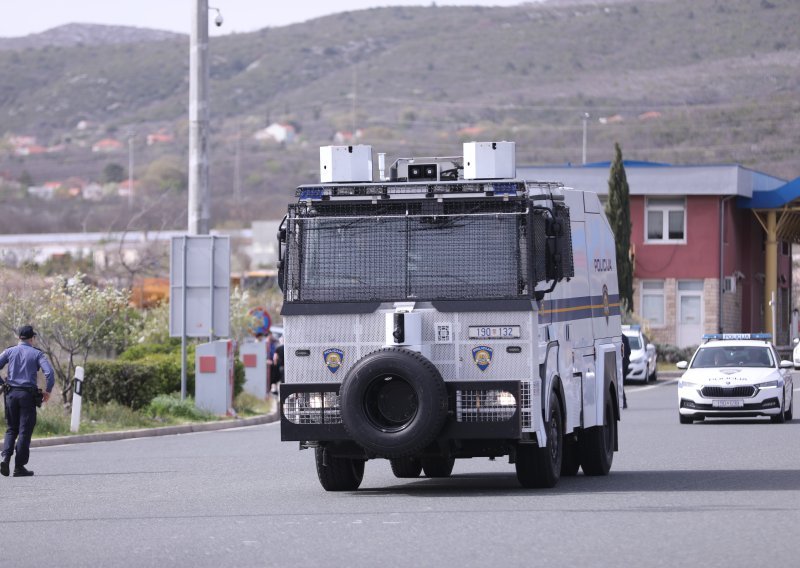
[[23, 360]]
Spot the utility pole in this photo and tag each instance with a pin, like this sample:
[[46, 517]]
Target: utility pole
[[585, 119], [199, 195], [131, 136]]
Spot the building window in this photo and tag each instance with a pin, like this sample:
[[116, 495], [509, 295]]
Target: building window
[[665, 219], [653, 302]]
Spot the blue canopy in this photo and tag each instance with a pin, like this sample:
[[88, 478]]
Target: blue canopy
[[771, 199]]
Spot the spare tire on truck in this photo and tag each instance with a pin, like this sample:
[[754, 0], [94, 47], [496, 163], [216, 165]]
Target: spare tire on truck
[[394, 402]]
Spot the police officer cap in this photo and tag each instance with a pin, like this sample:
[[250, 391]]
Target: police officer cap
[[26, 332]]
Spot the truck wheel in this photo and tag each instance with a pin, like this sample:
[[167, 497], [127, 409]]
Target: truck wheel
[[394, 402], [438, 467], [541, 467], [405, 468], [338, 474], [597, 444]]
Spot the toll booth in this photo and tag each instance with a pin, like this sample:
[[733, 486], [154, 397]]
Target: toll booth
[[214, 376], [253, 356]]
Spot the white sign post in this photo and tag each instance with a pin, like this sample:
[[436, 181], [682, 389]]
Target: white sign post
[[199, 285], [77, 396]]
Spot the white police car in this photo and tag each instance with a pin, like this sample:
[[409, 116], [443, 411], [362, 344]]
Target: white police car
[[735, 375], [643, 355]]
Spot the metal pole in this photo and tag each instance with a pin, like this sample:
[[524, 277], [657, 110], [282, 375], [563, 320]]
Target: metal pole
[[199, 211], [183, 322], [585, 121], [211, 303], [130, 168]]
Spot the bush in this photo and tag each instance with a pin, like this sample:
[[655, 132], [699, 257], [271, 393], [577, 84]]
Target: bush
[[167, 406], [130, 383], [144, 372], [673, 353]]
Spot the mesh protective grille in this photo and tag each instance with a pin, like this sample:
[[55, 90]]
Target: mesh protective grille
[[415, 251]]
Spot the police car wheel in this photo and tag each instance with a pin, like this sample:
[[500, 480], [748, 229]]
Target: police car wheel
[[394, 402], [779, 418], [438, 467], [338, 474], [406, 468], [541, 467], [789, 412], [597, 444]]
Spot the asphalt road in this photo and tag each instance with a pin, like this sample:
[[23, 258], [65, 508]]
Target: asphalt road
[[710, 494]]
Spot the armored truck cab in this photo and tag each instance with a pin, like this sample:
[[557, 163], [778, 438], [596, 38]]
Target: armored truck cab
[[448, 311]]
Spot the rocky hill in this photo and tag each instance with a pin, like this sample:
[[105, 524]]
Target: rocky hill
[[71, 35], [679, 81]]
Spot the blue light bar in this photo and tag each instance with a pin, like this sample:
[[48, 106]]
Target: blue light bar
[[508, 188], [722, 336], [312, 193]]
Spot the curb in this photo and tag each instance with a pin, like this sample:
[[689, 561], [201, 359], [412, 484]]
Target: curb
[[151, 432]]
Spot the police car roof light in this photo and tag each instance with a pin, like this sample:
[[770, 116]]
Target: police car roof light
[[737, 336]]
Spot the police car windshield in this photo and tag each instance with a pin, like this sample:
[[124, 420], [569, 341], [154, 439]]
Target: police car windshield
[[733, 356], [634, 341]]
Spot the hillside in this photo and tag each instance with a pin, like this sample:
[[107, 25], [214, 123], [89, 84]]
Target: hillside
[[71, 35], [679, 81]]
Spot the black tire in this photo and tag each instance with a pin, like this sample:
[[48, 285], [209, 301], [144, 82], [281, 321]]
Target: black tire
[[597, 443], [339, 474], [571, 462], [406, 468], [685, 419], [654, 375], [541, 467], [394, 402], [438, 467], [779, 418], [789, 411]]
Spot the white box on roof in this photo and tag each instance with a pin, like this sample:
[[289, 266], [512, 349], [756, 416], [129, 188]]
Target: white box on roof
[[490, 160], [345, 163]]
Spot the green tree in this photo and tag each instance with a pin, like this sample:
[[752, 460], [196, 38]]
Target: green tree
[[113, 173], [618, 212], [75, 319]]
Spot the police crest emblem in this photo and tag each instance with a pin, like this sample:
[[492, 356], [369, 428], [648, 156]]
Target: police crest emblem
[[333, 359], [482, 355]]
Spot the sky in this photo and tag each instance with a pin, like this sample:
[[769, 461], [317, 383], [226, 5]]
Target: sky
[[23, 17]]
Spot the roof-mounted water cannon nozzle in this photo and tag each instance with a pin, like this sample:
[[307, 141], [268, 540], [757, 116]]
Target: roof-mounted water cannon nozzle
[[382, 165]]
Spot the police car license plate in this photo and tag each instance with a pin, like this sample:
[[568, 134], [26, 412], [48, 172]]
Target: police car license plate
[[494, 332], [730, 403]]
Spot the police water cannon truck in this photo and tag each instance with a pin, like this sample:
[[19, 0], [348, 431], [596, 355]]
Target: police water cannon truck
[[448, 310]]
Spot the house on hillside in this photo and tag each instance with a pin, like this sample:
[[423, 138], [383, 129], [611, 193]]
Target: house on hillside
[[107, 145], [699, 247], [46, 190], [159, 138], [347, 137], [277, 132]]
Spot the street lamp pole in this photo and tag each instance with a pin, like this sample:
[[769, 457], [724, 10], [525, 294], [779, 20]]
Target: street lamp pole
[[585, 119], [199, 210], [131, 136]]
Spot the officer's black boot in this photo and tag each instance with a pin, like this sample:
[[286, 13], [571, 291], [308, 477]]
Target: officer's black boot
[[4, 468], [20, 471]]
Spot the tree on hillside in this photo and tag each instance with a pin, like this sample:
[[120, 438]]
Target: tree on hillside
[[113, 173], [619, 216]]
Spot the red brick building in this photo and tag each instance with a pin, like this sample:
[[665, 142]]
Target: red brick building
[[699, 237]]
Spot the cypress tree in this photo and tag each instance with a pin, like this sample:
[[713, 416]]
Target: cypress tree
[[618, 212]]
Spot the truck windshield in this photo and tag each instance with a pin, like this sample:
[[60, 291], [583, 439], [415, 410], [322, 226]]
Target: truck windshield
[[407, 255]]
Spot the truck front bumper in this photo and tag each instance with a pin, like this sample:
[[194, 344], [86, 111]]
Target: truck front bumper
[[476, 410]]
